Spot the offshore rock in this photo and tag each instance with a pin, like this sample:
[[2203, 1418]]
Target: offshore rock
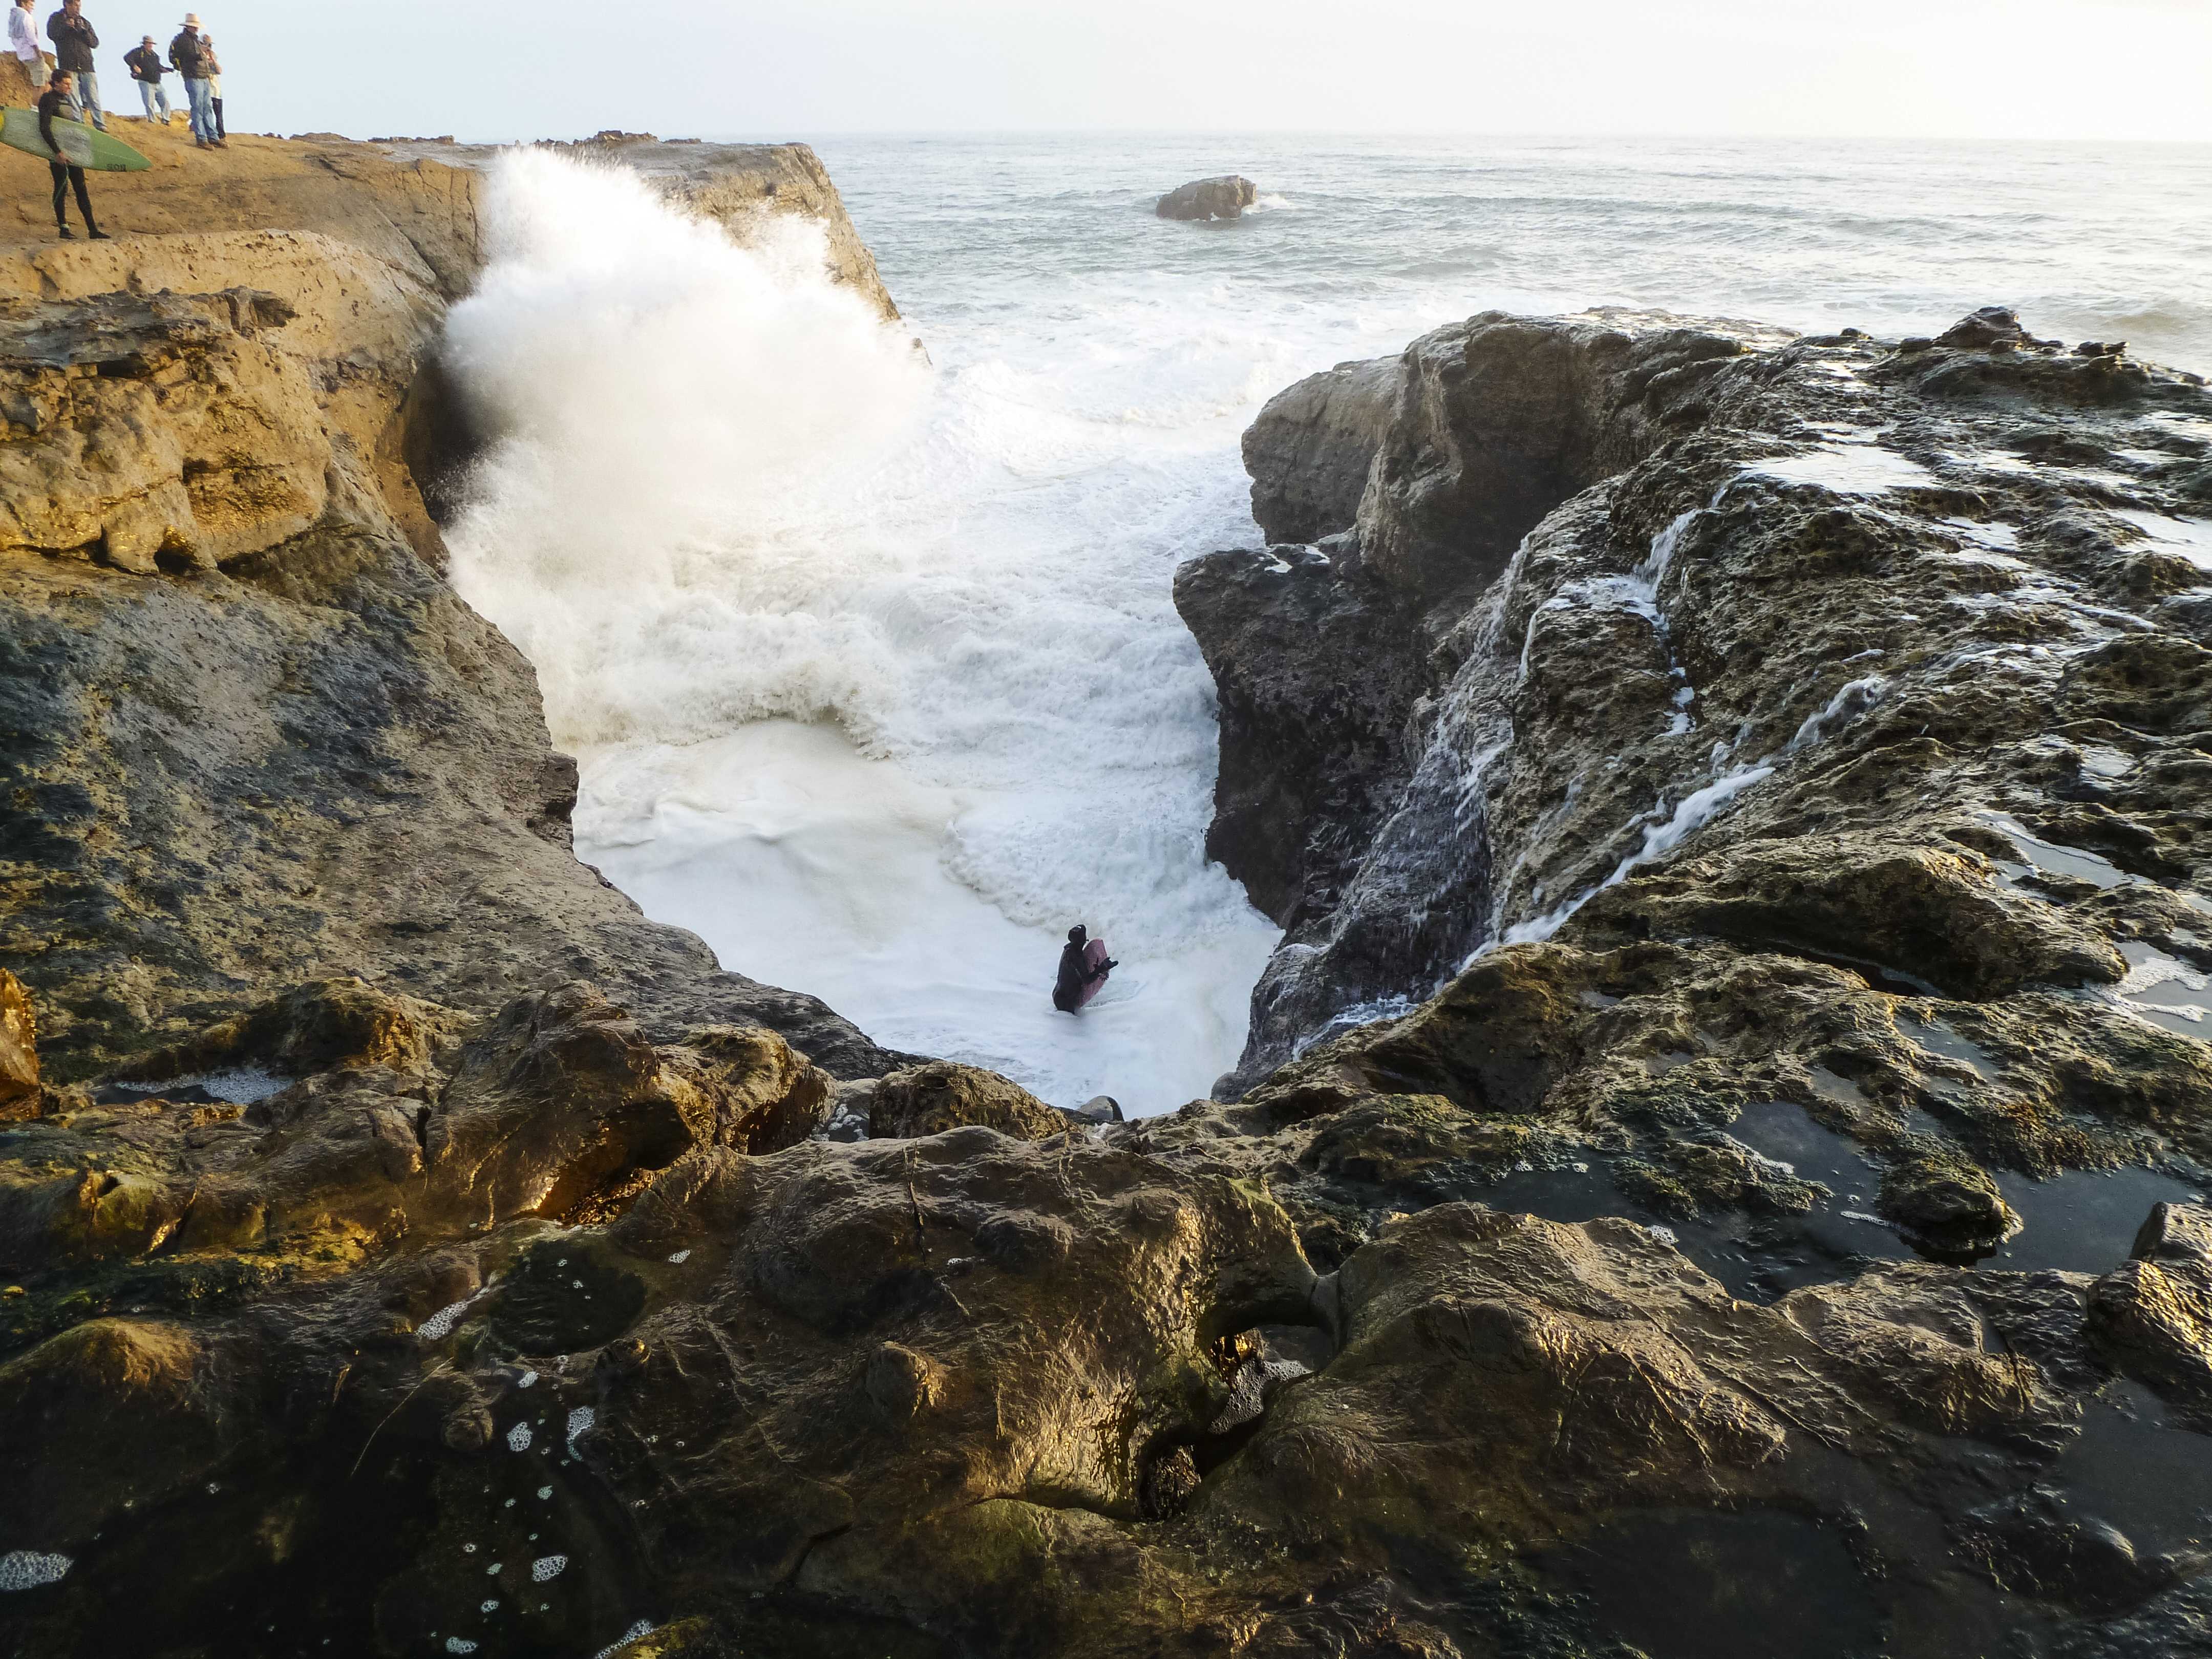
[[1223, 197]]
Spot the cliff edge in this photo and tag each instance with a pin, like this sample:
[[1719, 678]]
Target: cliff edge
[[250, 733]]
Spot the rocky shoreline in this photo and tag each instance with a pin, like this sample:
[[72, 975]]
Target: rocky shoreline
[[1721, 1149]]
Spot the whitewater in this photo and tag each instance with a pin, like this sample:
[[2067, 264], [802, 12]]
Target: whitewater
[[867, 652]]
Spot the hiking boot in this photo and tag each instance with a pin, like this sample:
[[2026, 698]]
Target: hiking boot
[[66, 233], [100, 236]]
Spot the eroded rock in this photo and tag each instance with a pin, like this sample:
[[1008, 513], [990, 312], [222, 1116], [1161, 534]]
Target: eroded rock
[[928, 1099], [19, 1048], [2154, 1311], [1223, 197]]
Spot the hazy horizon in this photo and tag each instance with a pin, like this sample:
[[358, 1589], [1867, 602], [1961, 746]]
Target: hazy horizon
[[2079, 70]]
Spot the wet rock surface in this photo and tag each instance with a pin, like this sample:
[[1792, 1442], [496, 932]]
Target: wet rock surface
[[1883, 656], [1310, 448]]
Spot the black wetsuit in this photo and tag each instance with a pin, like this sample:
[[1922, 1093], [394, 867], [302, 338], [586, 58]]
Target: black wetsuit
[[1074, 974], [52, 103]]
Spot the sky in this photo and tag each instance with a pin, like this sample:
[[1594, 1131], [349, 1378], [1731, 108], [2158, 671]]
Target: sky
[[490, 69]]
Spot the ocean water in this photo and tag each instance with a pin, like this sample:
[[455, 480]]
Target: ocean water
[[870, 657]]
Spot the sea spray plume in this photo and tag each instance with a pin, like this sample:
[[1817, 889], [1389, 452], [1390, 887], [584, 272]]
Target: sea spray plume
[[667, 413]]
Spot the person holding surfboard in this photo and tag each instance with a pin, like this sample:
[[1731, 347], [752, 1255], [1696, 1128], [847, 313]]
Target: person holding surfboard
[[58, 102], [1084, 966]]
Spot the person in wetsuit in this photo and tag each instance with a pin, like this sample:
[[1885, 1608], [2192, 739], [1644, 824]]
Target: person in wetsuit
[[1076, 972], [56, 101]]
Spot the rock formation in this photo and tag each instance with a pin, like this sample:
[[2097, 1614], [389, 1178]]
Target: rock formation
[[250, 732], [1688, 1183], [1224, 197], [1673, 597]]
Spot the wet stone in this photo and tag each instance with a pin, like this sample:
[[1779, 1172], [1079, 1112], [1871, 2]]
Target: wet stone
[[566, 1295], [1691, 1584]]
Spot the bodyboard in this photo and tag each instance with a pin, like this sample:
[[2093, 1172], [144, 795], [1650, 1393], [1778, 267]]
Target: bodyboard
[[1093, 954], [81, 146]]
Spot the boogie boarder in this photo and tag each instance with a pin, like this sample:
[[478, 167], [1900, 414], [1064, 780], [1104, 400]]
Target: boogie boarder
[[1084, 966], [58, 101]]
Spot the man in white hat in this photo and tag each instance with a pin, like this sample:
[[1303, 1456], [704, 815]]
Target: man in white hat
[[188, 56]]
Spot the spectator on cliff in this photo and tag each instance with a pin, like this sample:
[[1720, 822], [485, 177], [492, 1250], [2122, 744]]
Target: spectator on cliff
[[188, 56], [74, 40], [215, 87], [23, 42], [147, 68], [60, 99]]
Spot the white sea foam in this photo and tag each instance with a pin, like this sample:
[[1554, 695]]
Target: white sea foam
[[1847, 469], [28, 1569], [862, 693], [2190, 537], [241, 1086]]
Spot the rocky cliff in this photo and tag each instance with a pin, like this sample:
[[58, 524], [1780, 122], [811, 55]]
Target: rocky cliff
[[250, 732], [1754, 775]]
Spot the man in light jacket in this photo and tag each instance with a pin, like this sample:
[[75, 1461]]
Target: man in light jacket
[[188, 56], [147, 68], [74, 40]]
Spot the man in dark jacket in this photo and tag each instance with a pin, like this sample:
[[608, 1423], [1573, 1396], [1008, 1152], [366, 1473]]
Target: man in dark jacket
[[1079, 976], [74, 40], [188, 56], [59, 102], [147, 68]]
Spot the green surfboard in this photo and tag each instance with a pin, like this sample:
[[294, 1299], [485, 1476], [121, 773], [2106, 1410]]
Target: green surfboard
[[81, 145]]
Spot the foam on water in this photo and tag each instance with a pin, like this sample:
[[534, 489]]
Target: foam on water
[[2190, 538], [28, 1569], [1847, 469]]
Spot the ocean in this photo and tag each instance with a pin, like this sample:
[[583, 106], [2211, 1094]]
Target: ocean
[[868, 652]]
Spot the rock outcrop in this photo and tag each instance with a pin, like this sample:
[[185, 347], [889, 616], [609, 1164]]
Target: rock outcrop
[[247, 731], [488, 1338], [1807, 645], [941, 1095], [1310, 450], [1223, 197]]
